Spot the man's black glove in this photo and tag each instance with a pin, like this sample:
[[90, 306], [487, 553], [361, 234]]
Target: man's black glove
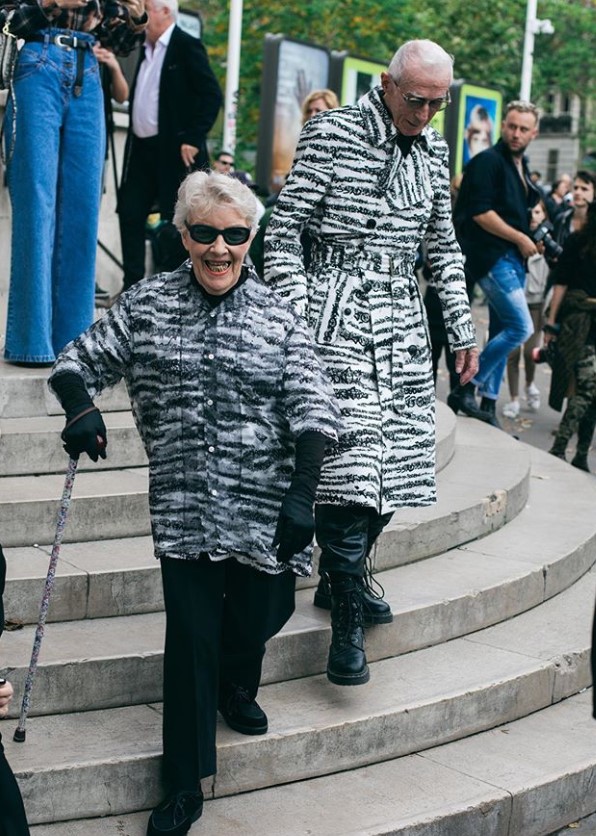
[[85, 431], [296, 523]]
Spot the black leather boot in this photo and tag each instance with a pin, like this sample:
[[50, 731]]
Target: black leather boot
[[463, 399], [374, 609], [489, 406], [585, 433], [347, 660]]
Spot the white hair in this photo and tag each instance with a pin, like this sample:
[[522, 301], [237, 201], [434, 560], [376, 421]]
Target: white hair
[[170, 5], [202, 192], [420, 54]]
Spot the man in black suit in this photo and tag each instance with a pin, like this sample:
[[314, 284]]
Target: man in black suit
[[174, 101]]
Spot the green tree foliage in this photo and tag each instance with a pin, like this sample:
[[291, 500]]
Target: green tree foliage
[[486, 38]]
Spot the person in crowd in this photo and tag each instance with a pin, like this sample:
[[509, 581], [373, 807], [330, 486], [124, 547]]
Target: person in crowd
[[55, 141], [318, 101], [13, 821], [369, 182], [557, 199], [223, 162], [235, 414], [492, 217], [174, 101], [118, 84], [573, 218], [537, 271], [573, 308]]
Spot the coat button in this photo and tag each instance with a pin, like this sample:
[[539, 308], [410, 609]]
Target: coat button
[[413, 350], [371, 223]]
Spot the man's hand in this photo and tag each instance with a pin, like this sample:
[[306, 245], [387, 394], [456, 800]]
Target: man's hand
[[6, 693], [466, 364], [188, 154], [295, 527], [526, 246]]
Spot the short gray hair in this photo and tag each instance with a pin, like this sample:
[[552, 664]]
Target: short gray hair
[[419, 54], [171, 5], [522, 107], [202, 192]]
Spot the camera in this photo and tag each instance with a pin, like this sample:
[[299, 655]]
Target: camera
[[542, 234]]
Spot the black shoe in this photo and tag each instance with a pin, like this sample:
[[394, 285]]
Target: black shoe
[[462, 399], [241, 713], [175, 815], [489, 406], [580, 460], [374, 609], [556, 451], [347, 661]]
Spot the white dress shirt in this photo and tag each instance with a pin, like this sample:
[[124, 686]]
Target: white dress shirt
[[146, 98]]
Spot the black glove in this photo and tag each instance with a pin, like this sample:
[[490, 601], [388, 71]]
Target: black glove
[[85, 431], [296, 523], [295, 526]]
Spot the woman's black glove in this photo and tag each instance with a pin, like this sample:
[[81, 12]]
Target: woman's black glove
[[296, 523], [85, 431]]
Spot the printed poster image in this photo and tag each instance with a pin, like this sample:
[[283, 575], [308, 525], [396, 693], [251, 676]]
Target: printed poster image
[[301, 68]]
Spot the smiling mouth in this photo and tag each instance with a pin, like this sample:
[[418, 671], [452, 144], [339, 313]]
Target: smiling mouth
[[218, 266]]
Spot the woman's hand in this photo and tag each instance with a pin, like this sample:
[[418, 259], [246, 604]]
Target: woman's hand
[[6, 693], [136, 8], [66, 4]]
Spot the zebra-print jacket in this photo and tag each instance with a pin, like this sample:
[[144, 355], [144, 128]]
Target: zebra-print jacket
[[367, 208], [218, 395]]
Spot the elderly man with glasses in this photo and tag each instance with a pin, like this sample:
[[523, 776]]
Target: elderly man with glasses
[[369, 183]]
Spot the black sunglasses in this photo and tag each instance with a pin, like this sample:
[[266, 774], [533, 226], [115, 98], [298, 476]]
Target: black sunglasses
[[233, 235]]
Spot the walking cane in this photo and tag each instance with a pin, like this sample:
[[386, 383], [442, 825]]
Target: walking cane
[[19, 735]]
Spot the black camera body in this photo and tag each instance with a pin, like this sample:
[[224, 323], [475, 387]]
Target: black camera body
[[542, 234]]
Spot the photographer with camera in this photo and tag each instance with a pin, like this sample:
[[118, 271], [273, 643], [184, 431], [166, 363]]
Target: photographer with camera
[[573, 307], [492, 219]]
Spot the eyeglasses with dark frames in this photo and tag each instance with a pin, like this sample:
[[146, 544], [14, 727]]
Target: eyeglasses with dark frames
[[417, 102], [234, 236]]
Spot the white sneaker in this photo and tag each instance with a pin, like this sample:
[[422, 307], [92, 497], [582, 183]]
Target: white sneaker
[[511, 409], [533, 397]]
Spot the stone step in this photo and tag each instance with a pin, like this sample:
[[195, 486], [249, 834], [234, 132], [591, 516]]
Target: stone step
[[527, 778], [24, 393], [484, 486], [107, 762], [33, 446], [118, 660], [105, 504]]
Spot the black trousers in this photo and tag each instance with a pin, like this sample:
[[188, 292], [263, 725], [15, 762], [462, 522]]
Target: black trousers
[[13, 821], [218, 617], [138, 195], [346, 535]]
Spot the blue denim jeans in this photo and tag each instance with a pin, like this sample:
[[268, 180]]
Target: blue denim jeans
[[504, 289], [54, 180]]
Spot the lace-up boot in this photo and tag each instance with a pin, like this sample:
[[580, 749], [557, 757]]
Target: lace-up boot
[[347, 660], [175, 815], [374, 609]]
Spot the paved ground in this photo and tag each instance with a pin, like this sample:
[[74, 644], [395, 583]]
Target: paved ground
[[535, 428]]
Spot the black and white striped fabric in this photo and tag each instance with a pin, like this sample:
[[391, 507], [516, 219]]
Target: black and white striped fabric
[[367, 208], [218, 394]]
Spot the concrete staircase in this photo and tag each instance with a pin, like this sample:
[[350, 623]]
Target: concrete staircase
[[475, 721]]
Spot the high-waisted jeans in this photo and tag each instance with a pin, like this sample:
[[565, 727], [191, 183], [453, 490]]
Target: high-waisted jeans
[[504, 288], [54, 180]]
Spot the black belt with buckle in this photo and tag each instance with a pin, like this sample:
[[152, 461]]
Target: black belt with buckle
[[68, 42]]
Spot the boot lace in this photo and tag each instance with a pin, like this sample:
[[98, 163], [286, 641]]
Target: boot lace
[[370, 583]]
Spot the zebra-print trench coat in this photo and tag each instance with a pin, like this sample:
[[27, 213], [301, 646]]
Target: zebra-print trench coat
[[218, 395], [367, 208]]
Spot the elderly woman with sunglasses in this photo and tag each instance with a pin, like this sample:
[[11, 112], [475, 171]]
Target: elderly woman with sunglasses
[[235, 414]]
